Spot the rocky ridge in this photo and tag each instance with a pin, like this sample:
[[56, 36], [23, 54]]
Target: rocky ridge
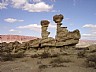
[[12, 38]]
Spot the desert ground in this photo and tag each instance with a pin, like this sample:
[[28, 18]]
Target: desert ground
[[53, 60]]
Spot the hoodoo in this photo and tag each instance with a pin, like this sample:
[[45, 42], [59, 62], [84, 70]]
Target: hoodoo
[[63, 36]]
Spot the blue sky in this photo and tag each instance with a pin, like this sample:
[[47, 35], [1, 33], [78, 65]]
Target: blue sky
[[22, 17]]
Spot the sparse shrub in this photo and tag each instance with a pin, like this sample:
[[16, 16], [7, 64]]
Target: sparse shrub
[[65, 54], [35, 56], [92, 58], [58, 65], [92, 48], [81, 54], [18, 55], [93, 51], [10, 57], [91, 61], [39, 62], [43, 66], [60, 60], [6, 57], [54, 55], [24, 60], [81, 48], [90, 64], [45, 55]]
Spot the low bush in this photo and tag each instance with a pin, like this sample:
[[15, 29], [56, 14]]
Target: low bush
[[43, 66], [54, 55], [81, 54], [45, 55], [6, 57], [91, 61], [58, 65], [18, 55], [60, 60], [11, 57], [35, 56]]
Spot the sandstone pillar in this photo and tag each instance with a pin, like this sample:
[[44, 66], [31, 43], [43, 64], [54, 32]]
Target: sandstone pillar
[[58, 19], [45, 33], [63, 36]]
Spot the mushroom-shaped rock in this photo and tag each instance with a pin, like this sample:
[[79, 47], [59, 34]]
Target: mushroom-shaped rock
[[58, 18], [45, 23]]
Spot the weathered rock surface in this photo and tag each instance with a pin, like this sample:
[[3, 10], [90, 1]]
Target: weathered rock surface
[[45, 33], [63, 36], [46, 41], [92, 47], [35, 43]]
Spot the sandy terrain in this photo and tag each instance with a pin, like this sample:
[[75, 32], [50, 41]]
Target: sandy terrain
[[28, 64]]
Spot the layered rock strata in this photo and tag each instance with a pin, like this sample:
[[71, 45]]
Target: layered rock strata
[[63, 36]]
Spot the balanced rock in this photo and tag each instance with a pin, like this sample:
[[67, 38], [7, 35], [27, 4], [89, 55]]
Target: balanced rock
[[63, 36]]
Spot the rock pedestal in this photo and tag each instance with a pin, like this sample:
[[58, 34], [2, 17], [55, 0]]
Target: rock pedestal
[[46, 41], [45, 33], [62, 39], [63, 36]]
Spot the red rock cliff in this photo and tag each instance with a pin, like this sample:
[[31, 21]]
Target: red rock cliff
[[11, 38]]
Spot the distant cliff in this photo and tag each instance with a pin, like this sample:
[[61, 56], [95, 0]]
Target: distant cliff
[[12, 38], [85, 43]]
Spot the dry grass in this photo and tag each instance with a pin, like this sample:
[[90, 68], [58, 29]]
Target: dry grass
[[60, 60]]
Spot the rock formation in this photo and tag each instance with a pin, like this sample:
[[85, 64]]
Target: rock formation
[[46, 41], [63, 39], [63, 36], [45, 33]]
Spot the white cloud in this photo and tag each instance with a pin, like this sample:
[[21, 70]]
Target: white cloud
[[53, 0], [92, 27], [89, 36], [32, 7], [94, 32], [3, 5], [42, 0], [18, 3], [13, 30], [37, 7], [89, 26], [37, 0], [86, 35], [52, 25], [35, 27], [67, 19], [20, 20], [30, 26], [91, 33], [12, 20]]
